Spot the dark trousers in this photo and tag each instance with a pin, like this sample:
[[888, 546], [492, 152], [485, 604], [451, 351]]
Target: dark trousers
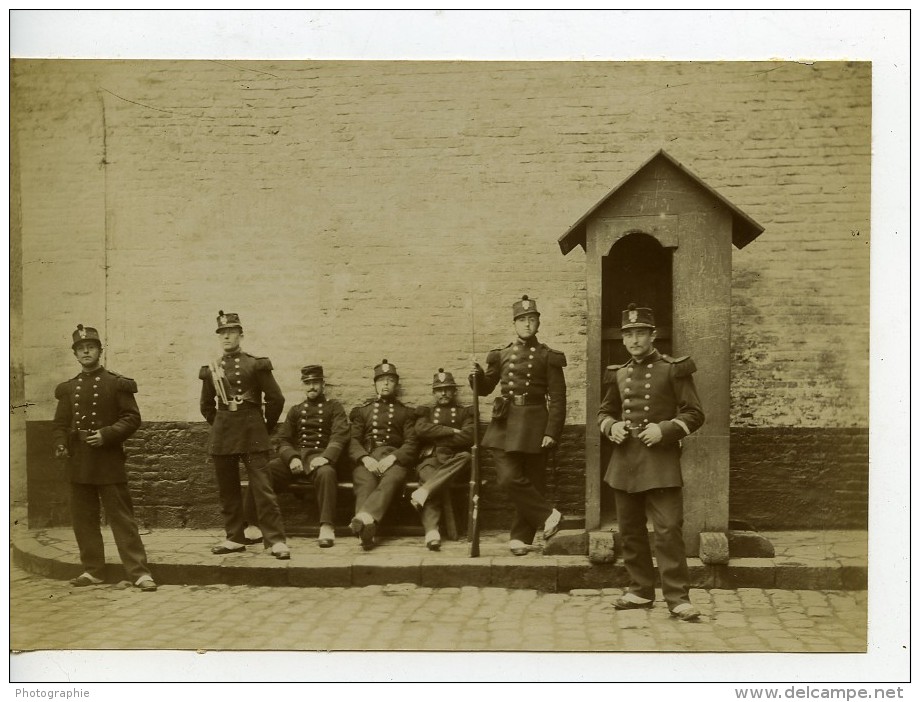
[[665, 508], [324, 481], [436, 478], [523, 478], [373, 493], [84, 509], [227, 469]]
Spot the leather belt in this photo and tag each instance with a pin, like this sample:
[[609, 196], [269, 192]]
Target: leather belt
[[243, 405], [527, 399]]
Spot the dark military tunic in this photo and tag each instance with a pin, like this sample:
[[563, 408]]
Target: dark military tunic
[[314, 427], [381, 427], [435, 429], [244, 430], [99, 401], [656, 390], [530, 375]]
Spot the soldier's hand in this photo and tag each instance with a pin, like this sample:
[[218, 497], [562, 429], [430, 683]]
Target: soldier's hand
[[476, 369], [370, 464], [61, 452], [296, 466], [617, 432], [548, 442], [318, 461], [385, 462], [95, 439], [651, 435]]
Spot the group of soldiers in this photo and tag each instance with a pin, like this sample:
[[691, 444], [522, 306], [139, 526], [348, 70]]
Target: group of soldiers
[[649, 406]]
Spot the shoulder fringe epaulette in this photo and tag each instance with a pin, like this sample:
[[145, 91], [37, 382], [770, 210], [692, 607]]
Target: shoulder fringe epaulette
[[204, 373], [683, 366]]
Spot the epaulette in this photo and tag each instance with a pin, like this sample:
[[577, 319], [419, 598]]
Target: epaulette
[[263, 363], [683, 366], [204, 373], [124, 383], [557, 358], [62, 389]]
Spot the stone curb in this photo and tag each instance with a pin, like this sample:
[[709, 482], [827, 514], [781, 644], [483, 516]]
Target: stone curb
[[535, 572]]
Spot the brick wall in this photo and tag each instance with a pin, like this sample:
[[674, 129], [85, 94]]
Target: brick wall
[[352, 211], [784, 478]]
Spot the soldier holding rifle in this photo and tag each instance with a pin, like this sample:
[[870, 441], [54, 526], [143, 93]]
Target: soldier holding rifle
[[527, 419]]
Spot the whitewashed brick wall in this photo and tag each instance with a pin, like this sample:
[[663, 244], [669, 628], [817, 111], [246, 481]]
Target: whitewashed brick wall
[[351, 211]]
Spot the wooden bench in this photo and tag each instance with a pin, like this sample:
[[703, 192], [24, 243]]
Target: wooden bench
[[448, 514]]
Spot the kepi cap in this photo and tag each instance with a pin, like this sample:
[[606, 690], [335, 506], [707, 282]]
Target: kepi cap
[[311, 373], [228, 320], [525, 306], [82, 333], [637, 318], [385, 368], [443, 379]]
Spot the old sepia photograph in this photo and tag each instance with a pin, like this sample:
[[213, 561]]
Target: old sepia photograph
[[439, 356]]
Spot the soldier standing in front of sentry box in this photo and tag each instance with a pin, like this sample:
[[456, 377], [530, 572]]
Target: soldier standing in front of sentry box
[[527, 421], [649, 406], [231, 401], [96, 412]]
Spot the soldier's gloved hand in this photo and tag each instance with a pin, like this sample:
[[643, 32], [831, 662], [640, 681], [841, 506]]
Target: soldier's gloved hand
[[385, 463], [476, 369], [651, 435], [317, 462], [296, 466], [61, 452], [95, 439], [617, 432], [548, 442], [370, 464]]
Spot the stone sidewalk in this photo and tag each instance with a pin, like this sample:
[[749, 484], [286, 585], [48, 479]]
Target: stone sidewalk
[[804, 560]]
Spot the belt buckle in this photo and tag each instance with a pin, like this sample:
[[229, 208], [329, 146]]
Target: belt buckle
[[233, 405], [518, 400]]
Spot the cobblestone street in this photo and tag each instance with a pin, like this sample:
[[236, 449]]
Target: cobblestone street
[[50, 614]]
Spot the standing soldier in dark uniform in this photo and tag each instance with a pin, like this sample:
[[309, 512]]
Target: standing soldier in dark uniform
[[527, 420], [311, 439], [650, 405], [384, 447], [96, 412], [231, 402], [445, 433]]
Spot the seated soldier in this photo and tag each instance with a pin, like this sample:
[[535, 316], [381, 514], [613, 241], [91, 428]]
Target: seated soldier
[[384, 448], [310, 441], [445, 433]]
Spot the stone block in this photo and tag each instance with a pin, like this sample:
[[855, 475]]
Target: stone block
[[601, 547], [567, 543], [749, 544], [713, 547]]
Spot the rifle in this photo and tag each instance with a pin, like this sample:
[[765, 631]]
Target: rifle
[[475, 479]]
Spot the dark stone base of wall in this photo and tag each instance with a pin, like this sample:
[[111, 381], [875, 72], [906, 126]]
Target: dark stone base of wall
[[799, 478], [781, 478]]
